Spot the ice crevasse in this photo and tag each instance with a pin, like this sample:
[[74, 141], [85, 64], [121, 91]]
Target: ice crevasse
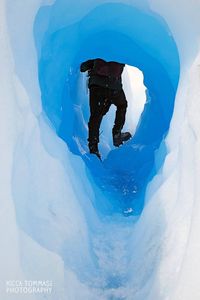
[[61, 210]]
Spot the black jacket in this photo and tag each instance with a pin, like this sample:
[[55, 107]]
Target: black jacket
[[102, 73]]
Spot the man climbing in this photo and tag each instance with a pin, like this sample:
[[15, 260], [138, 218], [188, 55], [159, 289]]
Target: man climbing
[[105, 85]]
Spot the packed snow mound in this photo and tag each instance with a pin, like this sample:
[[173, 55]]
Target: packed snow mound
[[59, 220]]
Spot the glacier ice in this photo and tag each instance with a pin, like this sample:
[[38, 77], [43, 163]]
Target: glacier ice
[[59, 77], [61, 211]]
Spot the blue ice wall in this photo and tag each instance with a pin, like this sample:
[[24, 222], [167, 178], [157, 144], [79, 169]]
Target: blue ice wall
[[112, 31]]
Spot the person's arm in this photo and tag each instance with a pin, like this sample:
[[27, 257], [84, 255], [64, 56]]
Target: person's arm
[[87, 65]]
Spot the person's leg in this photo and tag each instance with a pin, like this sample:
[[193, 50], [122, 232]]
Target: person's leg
[[95, 117], [119, 99], [99, 105]]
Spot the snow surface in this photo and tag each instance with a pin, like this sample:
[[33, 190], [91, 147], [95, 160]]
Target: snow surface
[[61, 210]]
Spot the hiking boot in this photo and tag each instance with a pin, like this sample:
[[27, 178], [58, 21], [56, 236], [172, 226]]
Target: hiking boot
[[120, 137], [93, 146]]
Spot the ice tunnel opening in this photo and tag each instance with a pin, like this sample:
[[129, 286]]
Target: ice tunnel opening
[[133, 40], [135, 91]]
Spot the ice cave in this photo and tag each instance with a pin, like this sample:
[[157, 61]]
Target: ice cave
[[63, 212]]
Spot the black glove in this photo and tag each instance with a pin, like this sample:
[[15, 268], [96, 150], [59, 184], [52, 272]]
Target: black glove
[[87, 65]]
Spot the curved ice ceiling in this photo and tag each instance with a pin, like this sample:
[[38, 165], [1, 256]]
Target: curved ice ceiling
[[113, 31]]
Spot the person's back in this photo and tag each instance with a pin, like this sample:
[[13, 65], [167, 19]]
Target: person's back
[[105, 84], [105, 74]]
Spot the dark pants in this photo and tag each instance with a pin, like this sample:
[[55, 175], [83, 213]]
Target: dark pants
[[100, 101]]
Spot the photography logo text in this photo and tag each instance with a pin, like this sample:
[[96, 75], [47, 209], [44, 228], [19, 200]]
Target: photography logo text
[[29, 286]]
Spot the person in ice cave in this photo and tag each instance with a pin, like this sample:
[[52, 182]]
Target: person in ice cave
[[105, 86]]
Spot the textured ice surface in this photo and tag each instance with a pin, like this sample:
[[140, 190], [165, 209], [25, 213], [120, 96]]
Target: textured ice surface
[[125, 34], [61, 210]]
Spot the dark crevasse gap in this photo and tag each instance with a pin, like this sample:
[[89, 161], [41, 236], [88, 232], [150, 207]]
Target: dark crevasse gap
[[125, 34]]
